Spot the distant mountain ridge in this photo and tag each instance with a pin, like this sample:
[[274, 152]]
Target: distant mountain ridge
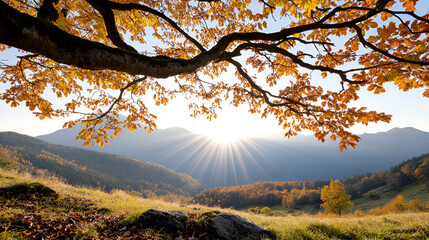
[[90, 168], [253, 160]]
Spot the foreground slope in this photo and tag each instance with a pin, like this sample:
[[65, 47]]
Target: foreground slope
[[84, 167], [91, 214], [247, 161]]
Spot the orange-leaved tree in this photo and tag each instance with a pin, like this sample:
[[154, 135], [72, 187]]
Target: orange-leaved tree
[[335, 199], [101, 57]]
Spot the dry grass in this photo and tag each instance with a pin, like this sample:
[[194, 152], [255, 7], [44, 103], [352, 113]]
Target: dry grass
[[392, 226]]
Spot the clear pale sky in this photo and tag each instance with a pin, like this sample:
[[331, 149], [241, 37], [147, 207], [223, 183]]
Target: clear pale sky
[[409, 109]]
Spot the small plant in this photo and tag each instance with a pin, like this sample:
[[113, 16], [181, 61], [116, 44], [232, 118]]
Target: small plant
[[10, 235], [88, 230]]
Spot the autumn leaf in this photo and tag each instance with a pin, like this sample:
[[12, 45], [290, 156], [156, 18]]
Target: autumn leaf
[[410, 5], [99, 61]]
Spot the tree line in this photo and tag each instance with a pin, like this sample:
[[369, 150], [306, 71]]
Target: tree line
[[293, 194]]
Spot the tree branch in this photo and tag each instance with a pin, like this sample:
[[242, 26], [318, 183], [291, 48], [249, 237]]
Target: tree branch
[[121, 92], [135, 6], [47, 11], [385, 53], [34, 35], [295, 59], [109, 22]]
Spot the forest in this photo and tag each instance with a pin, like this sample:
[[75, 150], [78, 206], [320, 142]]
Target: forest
[[93, 169], [293, 194]]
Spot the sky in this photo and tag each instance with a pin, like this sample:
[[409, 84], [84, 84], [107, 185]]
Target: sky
[[409, 109]]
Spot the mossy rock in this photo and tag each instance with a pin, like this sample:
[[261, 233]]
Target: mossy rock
[[165, 221], [104, 211], [28, 191], [230, 227]]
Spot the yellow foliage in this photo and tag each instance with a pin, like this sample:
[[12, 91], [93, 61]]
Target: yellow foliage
[[174, 47], [335, 198], [399, 205]]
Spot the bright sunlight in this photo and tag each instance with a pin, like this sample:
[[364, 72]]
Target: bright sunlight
[[224, 132]]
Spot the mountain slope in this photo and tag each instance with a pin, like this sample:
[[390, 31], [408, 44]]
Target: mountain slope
[[91, 168], [248, 161], [81, 213], [292, 195]]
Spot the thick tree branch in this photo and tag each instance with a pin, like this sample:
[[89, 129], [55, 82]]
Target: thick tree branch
[[34, 35], [47, 11], [109, 22], [135, 6], [31, 34]]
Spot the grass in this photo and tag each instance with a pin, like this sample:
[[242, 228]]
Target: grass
[[414, 191], [392, 226]]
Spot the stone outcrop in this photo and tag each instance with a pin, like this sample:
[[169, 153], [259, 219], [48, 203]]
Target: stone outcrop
[[216, 225], [30, 191], [228, 226], [166, 221]]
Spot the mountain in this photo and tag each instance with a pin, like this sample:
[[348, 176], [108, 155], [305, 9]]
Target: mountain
[[252, 160], [79, 166]]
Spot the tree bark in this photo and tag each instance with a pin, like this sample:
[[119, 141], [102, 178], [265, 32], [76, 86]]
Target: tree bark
[[34, 35]]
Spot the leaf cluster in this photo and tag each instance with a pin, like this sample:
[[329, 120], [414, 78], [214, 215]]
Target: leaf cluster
[[104, 57]]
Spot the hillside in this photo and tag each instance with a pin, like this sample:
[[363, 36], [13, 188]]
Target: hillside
[[410, 177], [62, 211], [300, 158], [79, 166]]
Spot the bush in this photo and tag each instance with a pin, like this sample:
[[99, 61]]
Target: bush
[[267, 211], [399, 205]]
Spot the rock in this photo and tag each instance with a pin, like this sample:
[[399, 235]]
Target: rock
[[167, 221], [228, 226], [103, 210], [28, 191]]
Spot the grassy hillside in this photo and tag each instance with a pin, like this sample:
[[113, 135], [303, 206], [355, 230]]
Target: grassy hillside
[[364, 204], [91, 213], [90, 168]]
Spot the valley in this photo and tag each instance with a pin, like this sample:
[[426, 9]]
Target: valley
[[110, 192], [301, 158], [107, 172], [84, 213]]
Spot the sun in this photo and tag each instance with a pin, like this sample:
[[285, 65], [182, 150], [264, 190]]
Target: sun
[[223, 135], [224, 131]]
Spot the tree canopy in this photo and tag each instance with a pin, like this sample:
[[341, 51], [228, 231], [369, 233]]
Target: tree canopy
[[335, 199], [101, 57]]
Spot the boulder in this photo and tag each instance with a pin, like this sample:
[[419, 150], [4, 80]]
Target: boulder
[[28, 191], [228, 226], [166, 221]]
